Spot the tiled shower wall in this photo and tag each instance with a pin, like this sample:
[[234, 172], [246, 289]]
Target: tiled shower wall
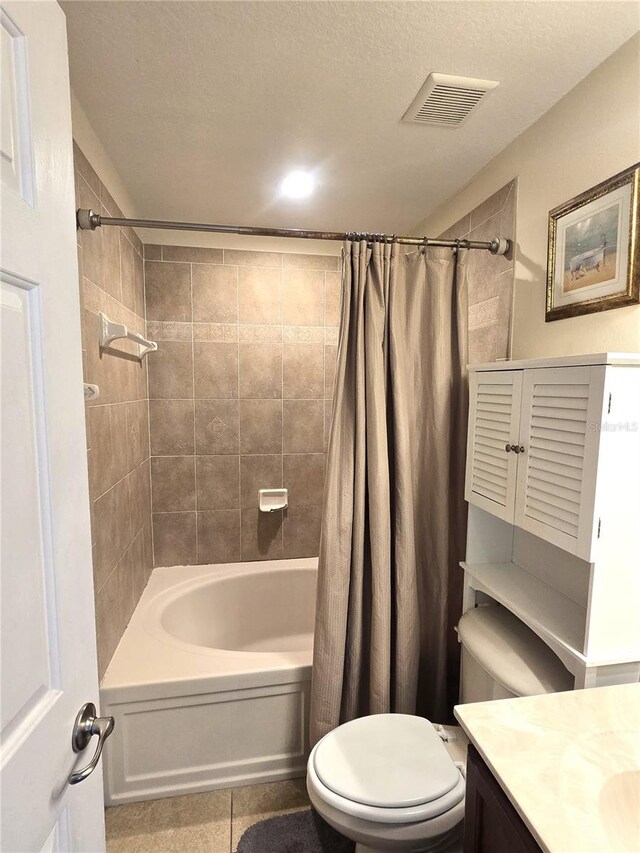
[[240, 395], [490, 276], [111, 281]]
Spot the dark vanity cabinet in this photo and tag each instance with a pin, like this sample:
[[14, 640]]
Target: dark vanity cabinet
[[491, 823]]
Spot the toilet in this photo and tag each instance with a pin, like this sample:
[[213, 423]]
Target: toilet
[[389, 782]]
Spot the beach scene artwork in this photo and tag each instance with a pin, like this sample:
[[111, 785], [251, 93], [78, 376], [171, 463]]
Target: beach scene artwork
[[591, 249]]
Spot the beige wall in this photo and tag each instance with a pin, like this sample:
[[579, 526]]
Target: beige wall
[[591, 134], [239, 399]]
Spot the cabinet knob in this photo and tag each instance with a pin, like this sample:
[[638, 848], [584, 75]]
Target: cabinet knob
[[517, 448], [509, 447]]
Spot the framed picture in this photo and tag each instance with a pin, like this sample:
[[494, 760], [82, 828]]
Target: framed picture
[[593, 256]]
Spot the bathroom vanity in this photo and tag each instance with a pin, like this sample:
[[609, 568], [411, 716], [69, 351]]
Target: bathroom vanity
[[558, 772]]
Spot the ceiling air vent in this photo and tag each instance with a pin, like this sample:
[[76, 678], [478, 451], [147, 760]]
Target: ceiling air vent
[[447, 100]]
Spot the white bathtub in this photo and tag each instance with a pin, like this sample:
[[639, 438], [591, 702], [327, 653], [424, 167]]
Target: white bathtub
[[210, 683]]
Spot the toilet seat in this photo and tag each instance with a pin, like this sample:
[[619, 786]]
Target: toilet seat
[[386, 768]]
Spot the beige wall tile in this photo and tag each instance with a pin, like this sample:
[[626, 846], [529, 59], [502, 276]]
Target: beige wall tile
[[171, 371], [333, 296], [137, 441], [261, 535], [127, 275], [304, 478], [140, 573], [111, 281], [216, 370], [260, 296], [260, 426], [159, 330], [303, 300], [216, 332], [215, 293], [219, 536], [138, 284], [192, 254], [218, 482], [173, 483], [303, 371], [86, 170], [167, 290], [258, 472], [310, 262], [117, 424], [152, 252], [260, 371], [301, 531], [91, 241], [171, 427], [174, 539], [489, 207], [328, 412], [111, 530], [302, 426], [139, 481], [330, 358], [217, 427], [119, 440], [260, 334], [241, 257], [102, 461], [113, 602]]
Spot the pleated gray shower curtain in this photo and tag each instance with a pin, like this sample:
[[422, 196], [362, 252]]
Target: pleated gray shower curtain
[[394, 520]]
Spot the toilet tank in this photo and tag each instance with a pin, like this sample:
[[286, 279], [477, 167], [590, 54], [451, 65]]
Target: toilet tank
[[503, 658]]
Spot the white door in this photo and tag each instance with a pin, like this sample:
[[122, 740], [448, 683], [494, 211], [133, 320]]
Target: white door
[[48, 632], [494, 420], [561, 410]]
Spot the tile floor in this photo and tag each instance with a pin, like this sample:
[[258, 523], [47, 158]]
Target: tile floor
[[212, 822]]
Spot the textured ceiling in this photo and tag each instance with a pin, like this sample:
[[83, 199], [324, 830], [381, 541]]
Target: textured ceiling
[[203, 106]]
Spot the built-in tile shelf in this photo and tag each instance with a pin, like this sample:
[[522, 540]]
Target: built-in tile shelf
[[556, 619]]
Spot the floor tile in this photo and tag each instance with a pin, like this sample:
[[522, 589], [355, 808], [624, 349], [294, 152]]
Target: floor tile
[[259, 802], [197, 823]]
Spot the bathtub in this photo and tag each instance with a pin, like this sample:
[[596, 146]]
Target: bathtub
[[209, 685]]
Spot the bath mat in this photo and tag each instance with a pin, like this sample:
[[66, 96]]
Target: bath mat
[[299, 832]]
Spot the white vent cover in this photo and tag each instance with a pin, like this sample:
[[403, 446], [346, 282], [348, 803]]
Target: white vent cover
[[447, 100]]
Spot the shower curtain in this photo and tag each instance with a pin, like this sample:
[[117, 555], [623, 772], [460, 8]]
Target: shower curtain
[[394, 520]]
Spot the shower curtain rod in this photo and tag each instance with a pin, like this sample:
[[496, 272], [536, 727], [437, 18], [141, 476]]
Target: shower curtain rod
[[89, 221]]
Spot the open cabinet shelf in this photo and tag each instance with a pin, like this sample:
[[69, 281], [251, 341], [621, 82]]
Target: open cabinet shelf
[[556, 619]]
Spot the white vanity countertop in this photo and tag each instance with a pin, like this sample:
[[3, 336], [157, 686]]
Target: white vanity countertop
[[569, 763]]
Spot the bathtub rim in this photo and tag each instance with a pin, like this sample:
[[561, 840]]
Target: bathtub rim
[[144, 667]]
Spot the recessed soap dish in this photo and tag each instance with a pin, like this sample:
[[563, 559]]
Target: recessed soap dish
[[272, 500]]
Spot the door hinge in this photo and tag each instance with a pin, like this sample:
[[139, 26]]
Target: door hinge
[[609, 407], [599, 526]]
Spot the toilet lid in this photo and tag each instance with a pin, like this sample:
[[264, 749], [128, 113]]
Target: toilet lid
[[386, 760]]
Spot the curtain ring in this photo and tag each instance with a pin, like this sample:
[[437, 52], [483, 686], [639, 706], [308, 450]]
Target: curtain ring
[[456, 248]]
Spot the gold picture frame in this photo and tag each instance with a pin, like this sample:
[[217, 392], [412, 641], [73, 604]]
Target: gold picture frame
[[593, 261]]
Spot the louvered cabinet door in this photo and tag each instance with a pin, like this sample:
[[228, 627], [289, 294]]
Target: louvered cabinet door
[[494, 415], [555, 494]]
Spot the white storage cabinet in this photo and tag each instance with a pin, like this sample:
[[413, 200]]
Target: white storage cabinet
[[553, 483]]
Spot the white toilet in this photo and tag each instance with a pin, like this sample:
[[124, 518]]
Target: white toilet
[[388, 781]]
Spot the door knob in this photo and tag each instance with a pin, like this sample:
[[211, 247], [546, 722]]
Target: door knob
[[85, 727]]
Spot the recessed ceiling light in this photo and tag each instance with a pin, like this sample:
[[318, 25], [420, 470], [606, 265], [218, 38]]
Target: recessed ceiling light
[[298, 184]]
